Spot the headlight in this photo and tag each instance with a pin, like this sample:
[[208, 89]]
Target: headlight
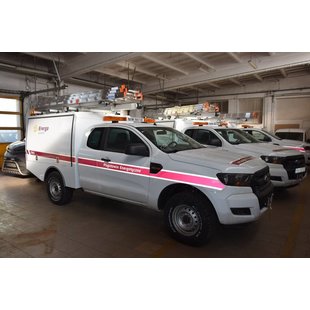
[[272, 159], [235, 179]]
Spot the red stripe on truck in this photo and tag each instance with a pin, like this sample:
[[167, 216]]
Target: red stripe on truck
[[51, 155], [137, 170]]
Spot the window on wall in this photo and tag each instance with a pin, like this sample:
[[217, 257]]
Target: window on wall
[[10, 120]]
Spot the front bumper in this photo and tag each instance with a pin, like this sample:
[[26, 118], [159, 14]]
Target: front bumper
[[11, 166], [241, 205], [280, 177]]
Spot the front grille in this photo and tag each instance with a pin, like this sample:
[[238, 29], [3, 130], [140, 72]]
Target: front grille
[[261, 178], [262, 187], [291, 163]]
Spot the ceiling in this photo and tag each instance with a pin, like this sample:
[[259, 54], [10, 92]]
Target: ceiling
[[172, 77]]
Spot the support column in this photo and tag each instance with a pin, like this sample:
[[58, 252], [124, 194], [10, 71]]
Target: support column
[[233, 106], [268, 113]]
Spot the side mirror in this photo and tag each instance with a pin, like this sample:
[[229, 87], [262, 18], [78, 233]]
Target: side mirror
[[138, 149], [215, 142]]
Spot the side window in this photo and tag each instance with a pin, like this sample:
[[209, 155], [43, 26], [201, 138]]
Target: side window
[[95, 139], [119, 138], [207, 137], [232, 136], [214, 140], [202, 136], [260, 136], [189, 132]]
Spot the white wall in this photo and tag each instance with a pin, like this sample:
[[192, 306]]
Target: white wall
[[293, 110]]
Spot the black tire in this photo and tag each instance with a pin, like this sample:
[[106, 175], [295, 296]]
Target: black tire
[[190, 218], [57, 192]]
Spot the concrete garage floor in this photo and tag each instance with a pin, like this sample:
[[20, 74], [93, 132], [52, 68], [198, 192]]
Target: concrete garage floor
[[91, 226]]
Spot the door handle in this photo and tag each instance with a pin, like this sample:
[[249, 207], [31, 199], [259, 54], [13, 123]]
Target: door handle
[[106, 159]]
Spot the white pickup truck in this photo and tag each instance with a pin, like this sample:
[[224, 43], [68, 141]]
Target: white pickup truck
[[148, 165], [265, 136], [287, 166]]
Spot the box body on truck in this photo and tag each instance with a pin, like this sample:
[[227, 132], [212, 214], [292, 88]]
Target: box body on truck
[[151, 166]]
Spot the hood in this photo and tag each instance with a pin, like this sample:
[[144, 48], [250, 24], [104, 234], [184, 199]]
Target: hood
[[287, 142], [16, 147], [219, 159], [267, 149]]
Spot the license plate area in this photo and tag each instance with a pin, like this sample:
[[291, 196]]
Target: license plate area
[[300, 170]]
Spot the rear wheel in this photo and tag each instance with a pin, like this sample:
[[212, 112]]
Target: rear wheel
[[190, 218], [57, 192]]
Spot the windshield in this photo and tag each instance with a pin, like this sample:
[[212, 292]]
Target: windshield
[[169, 140], [291, 135], [271, 134], [236, 136]]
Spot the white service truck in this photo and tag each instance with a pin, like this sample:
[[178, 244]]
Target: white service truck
[[148, 165], [287, 166], [265, 136]]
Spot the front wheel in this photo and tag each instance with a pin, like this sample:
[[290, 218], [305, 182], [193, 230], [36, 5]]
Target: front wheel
[[190, 218], [57, 192]]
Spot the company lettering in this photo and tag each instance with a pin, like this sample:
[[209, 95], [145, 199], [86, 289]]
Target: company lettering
[[41, 128], [121, 168]]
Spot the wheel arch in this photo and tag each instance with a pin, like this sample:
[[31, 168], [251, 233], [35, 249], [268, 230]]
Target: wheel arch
[[53, 169], [172, 189]]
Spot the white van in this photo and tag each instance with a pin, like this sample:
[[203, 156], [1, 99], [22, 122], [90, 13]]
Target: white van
[[294, 134]]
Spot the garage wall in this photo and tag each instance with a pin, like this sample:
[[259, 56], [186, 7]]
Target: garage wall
[[250, 105], [292, 112], [2, 151], [19, 82]]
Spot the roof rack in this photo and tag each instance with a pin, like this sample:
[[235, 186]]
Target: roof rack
[[115, 99]]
